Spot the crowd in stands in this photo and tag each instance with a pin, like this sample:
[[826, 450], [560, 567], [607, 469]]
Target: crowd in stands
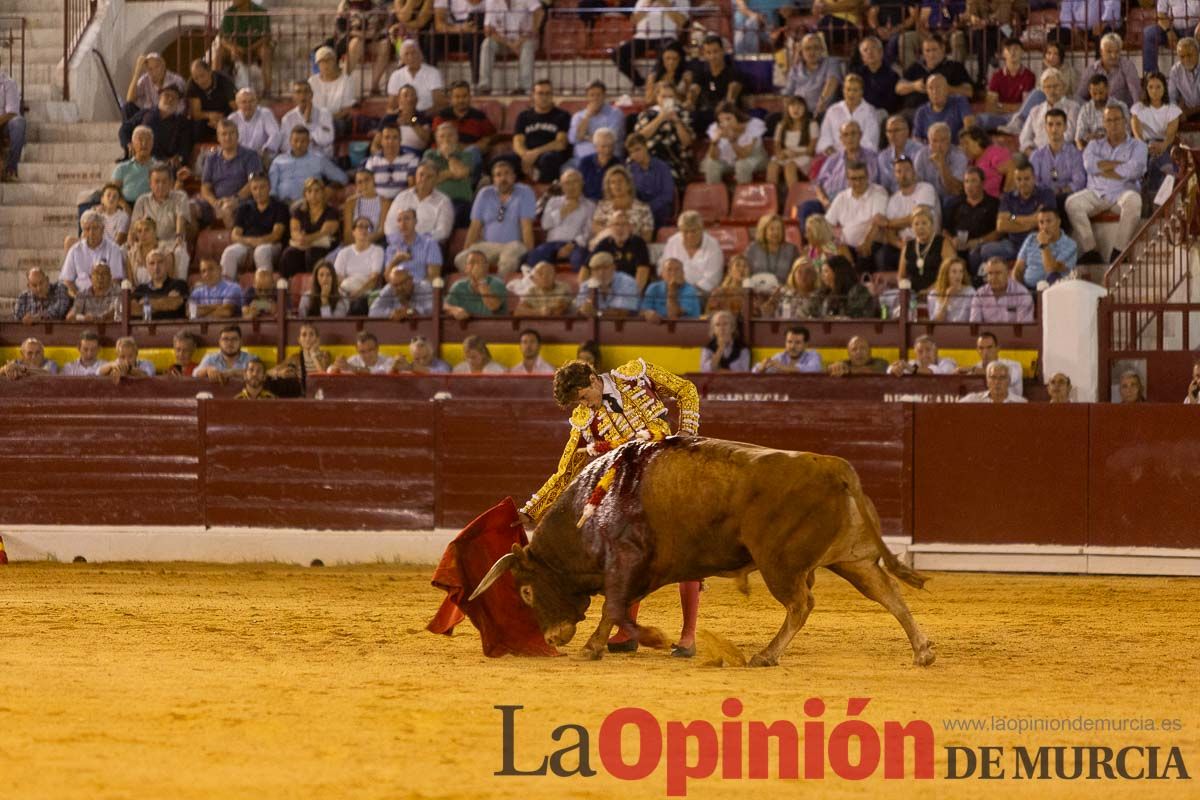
[[974, 185]]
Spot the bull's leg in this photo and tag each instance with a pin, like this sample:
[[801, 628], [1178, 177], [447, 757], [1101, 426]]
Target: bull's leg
[[594, 649], [614, 613], [796, 596], [870, 579]]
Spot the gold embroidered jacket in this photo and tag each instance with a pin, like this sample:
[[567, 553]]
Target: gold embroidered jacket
[[641, 387]]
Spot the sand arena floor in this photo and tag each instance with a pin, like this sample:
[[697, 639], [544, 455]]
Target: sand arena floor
[[186, 681]]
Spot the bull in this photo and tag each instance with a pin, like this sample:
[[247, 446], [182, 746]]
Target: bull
[[688, 508]]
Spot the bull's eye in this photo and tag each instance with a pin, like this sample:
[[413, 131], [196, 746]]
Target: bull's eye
[[527, 594]]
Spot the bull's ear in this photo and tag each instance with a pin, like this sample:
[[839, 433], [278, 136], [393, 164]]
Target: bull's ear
[[502, 565], [522, 556]]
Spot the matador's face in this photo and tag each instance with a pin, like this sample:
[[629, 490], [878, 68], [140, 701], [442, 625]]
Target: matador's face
[[591, 397]]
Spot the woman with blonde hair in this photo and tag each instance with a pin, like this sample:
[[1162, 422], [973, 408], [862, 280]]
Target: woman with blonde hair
[[730, 295], [822, 246], [923, 255], [771, 251], [796, 298], [950, 298], [620, 195], [142, 241]]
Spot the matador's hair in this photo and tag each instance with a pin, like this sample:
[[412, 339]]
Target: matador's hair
[[569, 379]]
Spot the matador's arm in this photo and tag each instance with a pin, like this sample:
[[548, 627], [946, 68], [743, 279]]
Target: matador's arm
[[684, 392], [572, 461]]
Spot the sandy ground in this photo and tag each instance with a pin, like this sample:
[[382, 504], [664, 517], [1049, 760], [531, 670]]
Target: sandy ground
[[188, 681]]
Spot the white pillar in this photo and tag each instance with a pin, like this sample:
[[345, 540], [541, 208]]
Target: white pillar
[[1071, 336]]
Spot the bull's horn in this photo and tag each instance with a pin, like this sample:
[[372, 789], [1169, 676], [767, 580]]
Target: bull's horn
[[504, 564]]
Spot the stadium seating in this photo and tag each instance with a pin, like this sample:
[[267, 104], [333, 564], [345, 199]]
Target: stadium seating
[[753, 200], [711, 200]]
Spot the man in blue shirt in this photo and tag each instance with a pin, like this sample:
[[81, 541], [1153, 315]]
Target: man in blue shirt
[[652, 179], [229, 361], [1058, 166], [952, 109], [616, 292], [1115, 167], [672, 297], [595, 115], [501, 221], [796, 357], [290, 170], [1018, 214], [1047, 254], [414, 252], [225, 182], [213, 296]]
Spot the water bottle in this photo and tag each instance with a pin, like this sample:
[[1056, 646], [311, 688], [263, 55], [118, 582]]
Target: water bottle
[[147, 312]]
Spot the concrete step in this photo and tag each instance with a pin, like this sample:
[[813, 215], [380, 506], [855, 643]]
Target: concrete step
[[41, 73], [41, 194], [58, 216], [21, 260], [12, 283], [60, 132], [100, 153], [41, 19], [40, 92], [59, 111], [48, 54], [47, 238], [54, 174], [48, 36]]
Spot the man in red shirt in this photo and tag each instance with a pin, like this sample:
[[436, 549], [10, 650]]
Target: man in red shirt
[[474, 128], [1007, 89]]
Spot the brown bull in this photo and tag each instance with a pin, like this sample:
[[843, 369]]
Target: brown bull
[[689, 508]]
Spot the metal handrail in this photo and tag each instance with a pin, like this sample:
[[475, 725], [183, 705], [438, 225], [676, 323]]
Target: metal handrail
[[108, 76], [77, 15]]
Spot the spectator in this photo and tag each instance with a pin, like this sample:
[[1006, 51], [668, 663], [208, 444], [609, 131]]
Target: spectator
[[332, 89], [184, 344], [540, 135], [567, 221], [1183, 80], [1115, 166], [629, 251], [359, 266], [620, 195], [1052, 58], [258, 130], [588, 353], [173, 131], [994, 160], [88, 364], [424, 78], [435, 212], [725, 351], [291, 171], [670, 68], [160, 296], [672, 297], [927, 361], [616, 293], [308, 359], [94, 248], [226, 177], [366, 359], [1131, 389], [736, 146], [797, 298], [1177, 19], [127, 364], [896, 222], [1059, 388], [922, 256], [259, 226], [816, 76], [653, 180], [230, 360], [42, 301], [1047, 254], [594, 166], [795, 356], [393, 165], [1123, 83], [1008, 87], [859, 360], [730, 295], [998, 388], [942, 165], [210, 97], [701, 256], [972, 218], [30, 362], [1033, 133], [254, 382], [852, 107], [455, 168], [324, 297], [1193, 392], [1089, 125], [1018, 214], [478, 294], [899, 144], [796, 137], [950, 298], [509, 27], [116, 218], [667, 129], [879, 79], [1092, 17], [477, 358], [855, 210], [770, 252], [421, 358], [411, 251], [754, 22], [172, 215], [1058, 165], [317, 121], [143, 240], [245, 37], [952, 109], [150, 75], [475, 130], [365, 203], [913, 88], [315, 229], [501, 221], [832, 179], [718, 83], [656, 24], [1002, 298], [403, 297], [546, 296], [259, 299], [821, 244], [213, 296], [841, 295], [1156, 122], [133, 174], [596, 115], [531, 363]]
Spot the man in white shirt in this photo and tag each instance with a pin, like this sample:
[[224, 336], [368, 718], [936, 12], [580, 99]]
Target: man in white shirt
[[94, 248], [927, 361], [1033, 134], [414, 72], [367, 361], [531, 362], [435, 212], [705, 266], [851, 107], [897, 220], [12, 124], [998, 383], [332, 89], [258, 130], [855, 209], [510, 26], [88, 364], [988, 347], [317, 120]]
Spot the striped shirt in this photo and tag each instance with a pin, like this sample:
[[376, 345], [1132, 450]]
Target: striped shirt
[[391, 177]]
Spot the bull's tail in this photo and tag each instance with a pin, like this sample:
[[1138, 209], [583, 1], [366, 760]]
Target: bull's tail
[[866, 508]]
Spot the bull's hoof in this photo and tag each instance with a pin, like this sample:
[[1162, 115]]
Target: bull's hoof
[[590, 653], [925, 656], [761, 660]]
